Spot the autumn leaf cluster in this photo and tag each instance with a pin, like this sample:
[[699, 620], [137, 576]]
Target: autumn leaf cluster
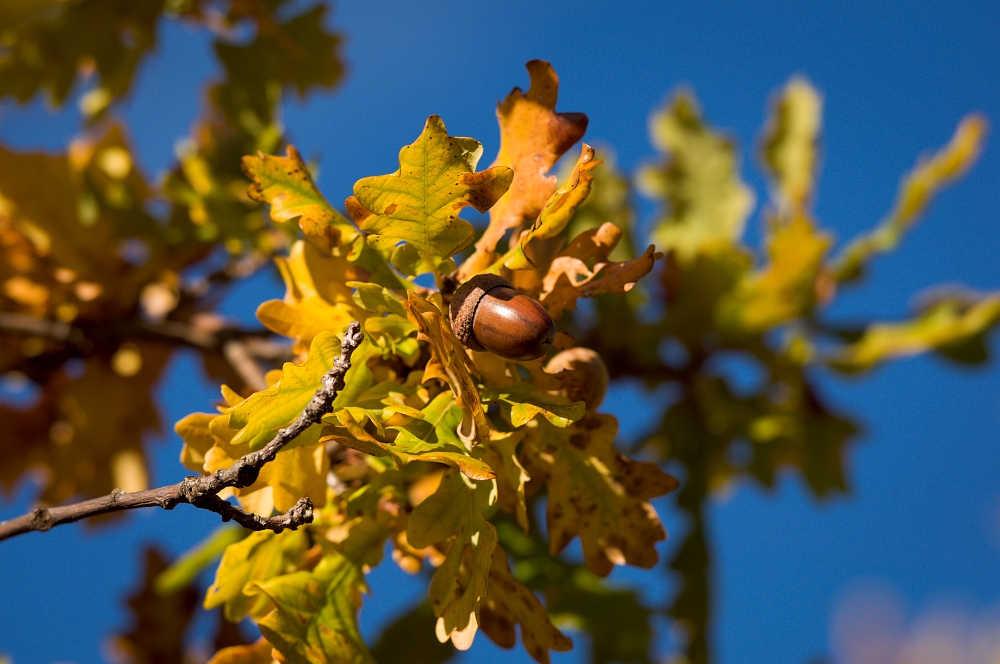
[[470, 469]]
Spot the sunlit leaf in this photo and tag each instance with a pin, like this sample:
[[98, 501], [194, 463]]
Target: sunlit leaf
[[418, 205], [259, 557], [315, 616], [917, 191], [532, 139], [453, 516], [286, 185], [511, 603], [596, 493], [944, 325], [791, 145]]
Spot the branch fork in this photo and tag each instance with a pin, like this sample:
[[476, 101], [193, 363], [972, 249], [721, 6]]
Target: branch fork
[[203, 491]]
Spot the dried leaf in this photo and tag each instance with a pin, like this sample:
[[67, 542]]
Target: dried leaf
[[511, 603], [571, 276], [559, 209], [158, 622]]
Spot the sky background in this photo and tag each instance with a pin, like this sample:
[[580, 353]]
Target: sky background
[[917, 541]]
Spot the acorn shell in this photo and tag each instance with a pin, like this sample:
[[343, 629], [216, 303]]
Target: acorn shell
[[488, 314]]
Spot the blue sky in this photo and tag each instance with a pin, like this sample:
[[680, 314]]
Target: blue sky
[[923, 517]]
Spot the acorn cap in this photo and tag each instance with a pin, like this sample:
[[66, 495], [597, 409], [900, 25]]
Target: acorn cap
[[464, 303]]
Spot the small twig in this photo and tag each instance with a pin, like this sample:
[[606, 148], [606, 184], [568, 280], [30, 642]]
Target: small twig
[[204, 491]]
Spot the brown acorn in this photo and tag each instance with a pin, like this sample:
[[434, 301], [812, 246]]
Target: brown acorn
[[487, 313], [588, 380]]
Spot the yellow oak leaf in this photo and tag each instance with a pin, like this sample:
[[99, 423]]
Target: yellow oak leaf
[[532, 139], [949, 326], [317, 296], [285, 184], [596, 493], [501, 453], [315, 616], [918, 189], [706, 201], [260, 556], [451, 364], [414, 212], [582, 270], [453, 517], [558, 210], [511, 603], [790, 148], [258, 652]]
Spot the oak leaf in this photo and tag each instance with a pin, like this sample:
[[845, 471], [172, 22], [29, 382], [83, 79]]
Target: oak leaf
[[453, 517], [596, 493], [532, 139], [286, 185], [258, 418], [788, 287], [946, 326], [414, 212], [315, 616], [790, 148], [261, 556], [511, 603], [317, 296], [448, 359], [707, 202], [583, 270], [558, 210]]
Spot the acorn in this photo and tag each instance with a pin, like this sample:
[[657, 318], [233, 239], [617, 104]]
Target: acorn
[[487, 313], [588, 378]]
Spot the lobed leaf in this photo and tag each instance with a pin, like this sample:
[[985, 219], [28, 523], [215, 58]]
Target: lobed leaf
[[453, 516], [315, 616], [917, 191], [790, 148], [558, 210], [944, 326], [511, 603], [317, 296], [414, 212], [286, 185], [261, 556], [596, 493], [259, 417], [570, 276], [532, 139]]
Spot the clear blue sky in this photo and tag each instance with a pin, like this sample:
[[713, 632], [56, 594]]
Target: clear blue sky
[[924, 515]]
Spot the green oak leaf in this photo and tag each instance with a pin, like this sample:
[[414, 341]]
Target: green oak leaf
[[414, 212]]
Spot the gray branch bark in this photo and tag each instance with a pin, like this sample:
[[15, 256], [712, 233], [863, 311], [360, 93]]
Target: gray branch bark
[[203, 491]]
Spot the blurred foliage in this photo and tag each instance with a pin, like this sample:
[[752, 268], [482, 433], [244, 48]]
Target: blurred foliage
[[439, 455]]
